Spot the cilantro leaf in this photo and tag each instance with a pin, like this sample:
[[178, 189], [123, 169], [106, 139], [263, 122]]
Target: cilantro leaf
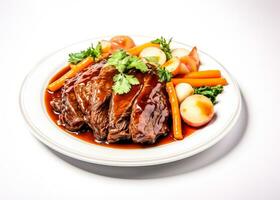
[[116, 57], [119, 59], [75, 58], [124, 62], [164, 46], [164, 75], [210, 92], [137, 63], [132, 79], [123, 82]]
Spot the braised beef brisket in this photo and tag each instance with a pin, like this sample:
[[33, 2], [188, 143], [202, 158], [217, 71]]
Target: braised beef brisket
[[120, 110], [141, 115], [82, 87], [72, 101], [150, 112], [56, 102], [101, 92], [70, 116]]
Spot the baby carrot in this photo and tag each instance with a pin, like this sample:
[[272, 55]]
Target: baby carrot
[[136, 50], [200, 82], [204, 74], [176, 117], [72, 72]]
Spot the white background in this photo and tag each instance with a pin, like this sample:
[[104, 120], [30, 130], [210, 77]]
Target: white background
[[242, 35]]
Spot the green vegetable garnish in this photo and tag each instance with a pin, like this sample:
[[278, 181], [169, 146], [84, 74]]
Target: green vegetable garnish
[[163, 75], [210, 92], [137, 63], [164, 46], [123, 62], [75, 58], [123, 82]]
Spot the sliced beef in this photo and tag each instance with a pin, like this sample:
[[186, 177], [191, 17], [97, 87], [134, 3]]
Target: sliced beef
[[71, 117], [71, 106], [101, 91], [82, 87], [150, 112], [56, 102], [120, 110]]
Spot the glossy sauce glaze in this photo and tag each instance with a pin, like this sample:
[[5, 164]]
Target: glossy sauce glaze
[[87, 136]]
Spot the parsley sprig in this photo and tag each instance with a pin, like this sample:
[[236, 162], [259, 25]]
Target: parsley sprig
[[75, 58], [124, 62], [210, 92], [164, 46], [163, 75]]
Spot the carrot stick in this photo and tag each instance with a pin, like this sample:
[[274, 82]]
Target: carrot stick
[[72, 72], [83, 64], [200, 82], [136, 50], [176, 118], [70, 65], [204, 74], [59, 82]]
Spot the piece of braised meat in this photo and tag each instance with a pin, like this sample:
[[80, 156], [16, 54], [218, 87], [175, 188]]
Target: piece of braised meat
[[101, 91], [69, 102], [150, 111], [120, 110], [82, 87], [71, 117], [56, 102]]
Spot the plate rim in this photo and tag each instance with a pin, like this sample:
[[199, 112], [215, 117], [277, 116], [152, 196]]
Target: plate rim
[[38, 134]]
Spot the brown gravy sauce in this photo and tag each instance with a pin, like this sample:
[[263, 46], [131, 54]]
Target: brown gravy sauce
[[87, 135]]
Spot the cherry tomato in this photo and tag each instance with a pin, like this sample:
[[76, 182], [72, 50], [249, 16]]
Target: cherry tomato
[[122, 42]]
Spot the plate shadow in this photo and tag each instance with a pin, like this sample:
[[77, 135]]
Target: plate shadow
[[198, 161]]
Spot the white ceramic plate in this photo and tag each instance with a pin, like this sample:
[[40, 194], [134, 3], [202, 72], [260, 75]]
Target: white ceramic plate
[[43, 128]]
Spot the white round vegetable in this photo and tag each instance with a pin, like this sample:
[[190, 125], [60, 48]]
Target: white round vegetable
[[180, 52], [184, 69], [197, 110], [154, 52], [183, 90], [172, 66], [105, 46]]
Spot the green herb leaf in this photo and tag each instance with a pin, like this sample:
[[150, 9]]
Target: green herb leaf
[[210, 92], [123, 82], [137, 63], [98, 50], [123, 62], [75, 58], [164, 75], [119, 59], [164, 46], [132, 79], [116, 57]]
